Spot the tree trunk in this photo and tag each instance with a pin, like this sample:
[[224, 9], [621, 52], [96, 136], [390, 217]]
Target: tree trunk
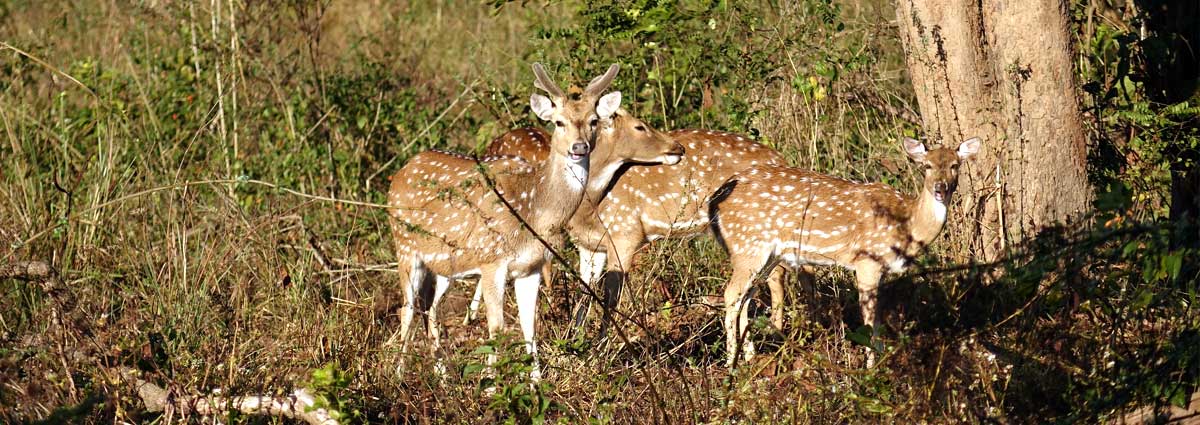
[[1001, 70]]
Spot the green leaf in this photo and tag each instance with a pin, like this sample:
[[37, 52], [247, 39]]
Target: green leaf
[[861, 336], [472, 369], [1172, 263], [323, 377], [1179, 397], [1143, 299], [874, 406]]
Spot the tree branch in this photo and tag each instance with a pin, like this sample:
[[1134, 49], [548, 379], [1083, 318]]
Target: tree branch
[[298, 405]]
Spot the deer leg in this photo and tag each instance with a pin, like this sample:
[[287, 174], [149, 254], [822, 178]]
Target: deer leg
[[591, 264], [745, 267], [548, 280], [492, 280], [473, 307], [775, 284], [868, 274], [615, 278], [414, 276], [526, 291], [432, 325]]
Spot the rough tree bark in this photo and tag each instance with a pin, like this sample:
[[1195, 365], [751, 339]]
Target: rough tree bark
[[1001, 70]]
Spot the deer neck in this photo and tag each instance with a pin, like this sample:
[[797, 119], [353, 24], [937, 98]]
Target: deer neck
[[604, 164], [556, 194], [928, 217], [601, 171]]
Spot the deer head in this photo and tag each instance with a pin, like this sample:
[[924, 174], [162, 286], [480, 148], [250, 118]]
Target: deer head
[[941, 165], [575, 116], [629, 139]]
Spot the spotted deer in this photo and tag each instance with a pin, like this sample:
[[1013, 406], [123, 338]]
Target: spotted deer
[[623, 139], [649, 203], [771, 214], [449, 221]]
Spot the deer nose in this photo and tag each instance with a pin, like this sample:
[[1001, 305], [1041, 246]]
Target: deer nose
[[674, 155], [942, 191], [580, 148]]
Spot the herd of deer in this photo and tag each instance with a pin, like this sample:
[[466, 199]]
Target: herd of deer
[[614, 184]]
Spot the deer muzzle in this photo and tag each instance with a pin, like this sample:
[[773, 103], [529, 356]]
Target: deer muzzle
[[942, 191], [579, 151], [673, 156]]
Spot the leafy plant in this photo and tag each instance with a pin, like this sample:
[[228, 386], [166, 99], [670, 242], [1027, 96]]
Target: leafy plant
[[331, 385], [518, 399]]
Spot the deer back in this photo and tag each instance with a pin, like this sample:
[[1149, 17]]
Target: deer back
[[530, 143], [663, 201], [803, 217], [800, 216], [445, 210]]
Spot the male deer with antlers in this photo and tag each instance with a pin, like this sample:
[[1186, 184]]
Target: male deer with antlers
[[649, 203], [450, 220], [773, 214], [623, 139]]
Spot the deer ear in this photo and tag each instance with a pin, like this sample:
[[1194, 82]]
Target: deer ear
[[968, 148], [608, 104], [915, 149], [542, 106]]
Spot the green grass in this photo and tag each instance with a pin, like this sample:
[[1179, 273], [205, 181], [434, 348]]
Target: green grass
[[135, 176]]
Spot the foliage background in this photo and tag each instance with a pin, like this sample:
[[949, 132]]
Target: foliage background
[[134, 135]]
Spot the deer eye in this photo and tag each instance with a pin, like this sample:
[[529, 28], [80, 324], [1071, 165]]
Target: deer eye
[[559, 123], [640, 127], [928, 167], [593, 122]]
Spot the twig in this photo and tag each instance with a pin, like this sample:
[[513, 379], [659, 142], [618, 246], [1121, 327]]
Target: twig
[[874, 101], [469, 88], [313, 244], [50, 67], [299, 405], [44, 274], [61, 300]]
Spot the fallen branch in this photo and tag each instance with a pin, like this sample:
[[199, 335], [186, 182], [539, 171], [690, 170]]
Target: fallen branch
[[47, 277], [29, 270], [1163, 414], [299, 405]]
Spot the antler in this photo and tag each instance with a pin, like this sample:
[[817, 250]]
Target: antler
[[601, 83], [545, 83]]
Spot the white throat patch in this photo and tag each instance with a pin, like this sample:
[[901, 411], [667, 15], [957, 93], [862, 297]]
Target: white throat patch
[[577, 174], [939, 211], [600, 180]]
